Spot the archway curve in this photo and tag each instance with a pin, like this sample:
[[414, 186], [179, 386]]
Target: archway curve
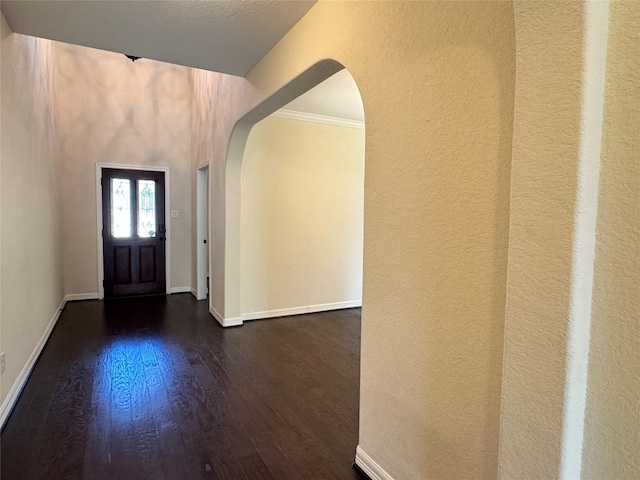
[[437, 81], [304, 82]]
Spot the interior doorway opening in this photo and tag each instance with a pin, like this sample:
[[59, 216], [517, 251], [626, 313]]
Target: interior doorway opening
[[202, 234], [302, 205], [284, 253]]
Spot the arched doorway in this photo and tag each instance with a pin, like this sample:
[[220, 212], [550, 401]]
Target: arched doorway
[[295, 212], [233, 233], [302, 205]]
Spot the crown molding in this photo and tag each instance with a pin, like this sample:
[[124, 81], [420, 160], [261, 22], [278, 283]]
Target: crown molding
[[314, 117]]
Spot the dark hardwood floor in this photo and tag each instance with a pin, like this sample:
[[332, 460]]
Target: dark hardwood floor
[[153, 388]]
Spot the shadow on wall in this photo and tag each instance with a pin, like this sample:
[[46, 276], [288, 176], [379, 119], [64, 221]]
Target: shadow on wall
[[136, 104], [115, 111]]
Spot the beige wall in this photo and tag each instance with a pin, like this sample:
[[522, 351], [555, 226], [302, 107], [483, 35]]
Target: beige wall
[[437, 83], [612, 434], [119, 112], [543, 197], [442, 188], [30, 245], [202, 128], [302, 215], [570, 387]]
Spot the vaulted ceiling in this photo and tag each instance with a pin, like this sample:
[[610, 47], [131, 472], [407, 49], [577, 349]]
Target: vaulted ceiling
[[228, 36]]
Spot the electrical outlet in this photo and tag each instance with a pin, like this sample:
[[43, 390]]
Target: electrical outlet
[[2, 363]]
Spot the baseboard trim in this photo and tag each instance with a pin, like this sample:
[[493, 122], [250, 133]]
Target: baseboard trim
[[225, 322], [75, 297], [180, 289], [16, 389], [282, 312], [286, 312], [365, 463], [194, 292]]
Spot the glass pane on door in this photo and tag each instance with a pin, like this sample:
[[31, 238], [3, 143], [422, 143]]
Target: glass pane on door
[[120, 207], [146, 208]]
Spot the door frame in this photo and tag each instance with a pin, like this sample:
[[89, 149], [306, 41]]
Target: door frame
[[202, 222], [167, 219]]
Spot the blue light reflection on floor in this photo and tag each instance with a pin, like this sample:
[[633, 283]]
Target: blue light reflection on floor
[[130, 381]]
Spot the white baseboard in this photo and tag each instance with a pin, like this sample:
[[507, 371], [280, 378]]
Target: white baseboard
[[73, 297], [282, 312], [180, 289], [285, 312], [370, 467], [194, 292], [18, 385], [225, 322]]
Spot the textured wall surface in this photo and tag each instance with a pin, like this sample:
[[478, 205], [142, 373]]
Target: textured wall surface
[[543, 191], [202, 127], [562, 358], [214, 102], [115, 111], [302, 215], [443, 198], [612, 434], [30, 208], [437, 83]]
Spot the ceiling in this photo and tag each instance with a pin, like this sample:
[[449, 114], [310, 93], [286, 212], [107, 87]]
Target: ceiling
[[338, 97], [228, 36]]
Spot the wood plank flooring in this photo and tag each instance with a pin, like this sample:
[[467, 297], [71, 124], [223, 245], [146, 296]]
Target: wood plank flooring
[[153, 388]]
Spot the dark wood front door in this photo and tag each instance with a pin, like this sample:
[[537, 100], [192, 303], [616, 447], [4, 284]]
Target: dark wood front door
[[133, 232]]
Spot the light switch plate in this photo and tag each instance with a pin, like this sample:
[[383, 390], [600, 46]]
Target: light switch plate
[[175, 213]]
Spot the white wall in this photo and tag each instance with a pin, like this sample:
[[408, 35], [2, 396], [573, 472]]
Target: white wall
[[30, 246], [302, 215], [116, 111]]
